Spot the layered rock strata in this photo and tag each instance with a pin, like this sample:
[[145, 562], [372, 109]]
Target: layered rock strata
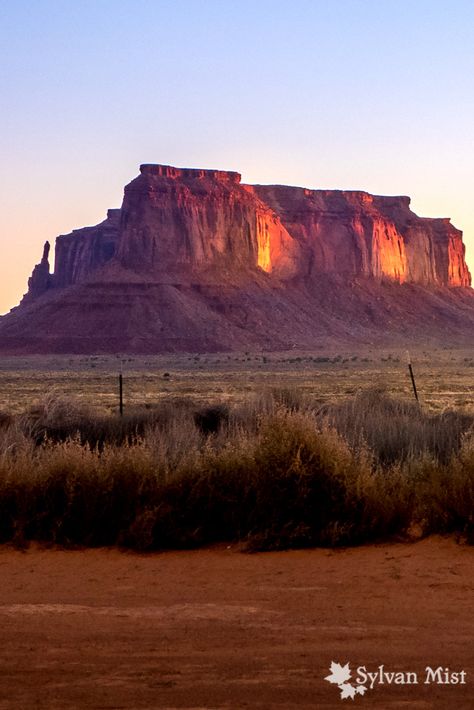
[[183, 219], [196, 260]]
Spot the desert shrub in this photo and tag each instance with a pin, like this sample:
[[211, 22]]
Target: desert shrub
[[277, 489], [56, 419], [174, 443], [210, 419], [300, 477], [271, 472], [396, 430], [445, 493], [72, 495], [289, 397]]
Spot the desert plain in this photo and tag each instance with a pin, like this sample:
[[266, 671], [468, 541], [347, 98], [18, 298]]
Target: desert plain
[[444, 377]]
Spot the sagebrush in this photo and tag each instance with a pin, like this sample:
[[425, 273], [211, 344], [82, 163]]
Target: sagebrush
[[277, 472]]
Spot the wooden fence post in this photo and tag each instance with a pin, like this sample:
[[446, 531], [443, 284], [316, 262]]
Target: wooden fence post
[[121, 394], [412, 377]]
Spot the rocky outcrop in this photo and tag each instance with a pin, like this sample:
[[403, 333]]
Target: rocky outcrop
[[435, 250], [176, 222], [199, 220], [83, 251], [40, 280], [78, 255], [195, 260], [354, 233]]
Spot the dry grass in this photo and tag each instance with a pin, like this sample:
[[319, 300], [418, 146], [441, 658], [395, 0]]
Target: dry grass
[[277, 471], [396, 429], [444, 378]]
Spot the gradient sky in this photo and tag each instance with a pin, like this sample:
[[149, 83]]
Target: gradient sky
[[364, 94]]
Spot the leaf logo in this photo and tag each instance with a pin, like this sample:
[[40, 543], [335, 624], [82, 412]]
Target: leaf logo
[[340, 676]]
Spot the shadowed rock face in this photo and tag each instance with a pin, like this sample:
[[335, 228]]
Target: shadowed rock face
[[40, 280], [195, 260], [83, 251], [78, 255]]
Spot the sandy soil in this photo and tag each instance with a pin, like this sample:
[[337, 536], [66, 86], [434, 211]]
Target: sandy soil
[[221, 629]]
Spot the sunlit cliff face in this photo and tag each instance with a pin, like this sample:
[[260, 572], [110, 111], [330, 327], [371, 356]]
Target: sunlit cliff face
[[264, 260], [458, 274], [277, 250], [354, 233], [388, 255]]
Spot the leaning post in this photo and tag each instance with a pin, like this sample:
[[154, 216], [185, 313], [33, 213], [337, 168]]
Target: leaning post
[[412, 377]]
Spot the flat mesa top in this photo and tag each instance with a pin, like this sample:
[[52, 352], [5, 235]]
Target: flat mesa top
[[171, 172], [168, 171]]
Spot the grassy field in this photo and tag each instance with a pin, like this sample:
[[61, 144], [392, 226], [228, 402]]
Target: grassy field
[[445, 378]]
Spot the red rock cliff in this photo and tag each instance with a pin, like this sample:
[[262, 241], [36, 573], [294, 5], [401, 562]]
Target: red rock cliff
[[40, 280], [194, 261], [355, 233], [83, 251], [200, 219], [177, 221]]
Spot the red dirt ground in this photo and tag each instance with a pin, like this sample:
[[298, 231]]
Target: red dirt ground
[[220, 629]]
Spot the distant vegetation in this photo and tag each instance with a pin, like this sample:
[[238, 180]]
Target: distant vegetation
[[278, 471]]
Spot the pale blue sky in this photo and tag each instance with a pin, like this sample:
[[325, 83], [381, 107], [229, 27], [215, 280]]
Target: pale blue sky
[[363, 94]]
